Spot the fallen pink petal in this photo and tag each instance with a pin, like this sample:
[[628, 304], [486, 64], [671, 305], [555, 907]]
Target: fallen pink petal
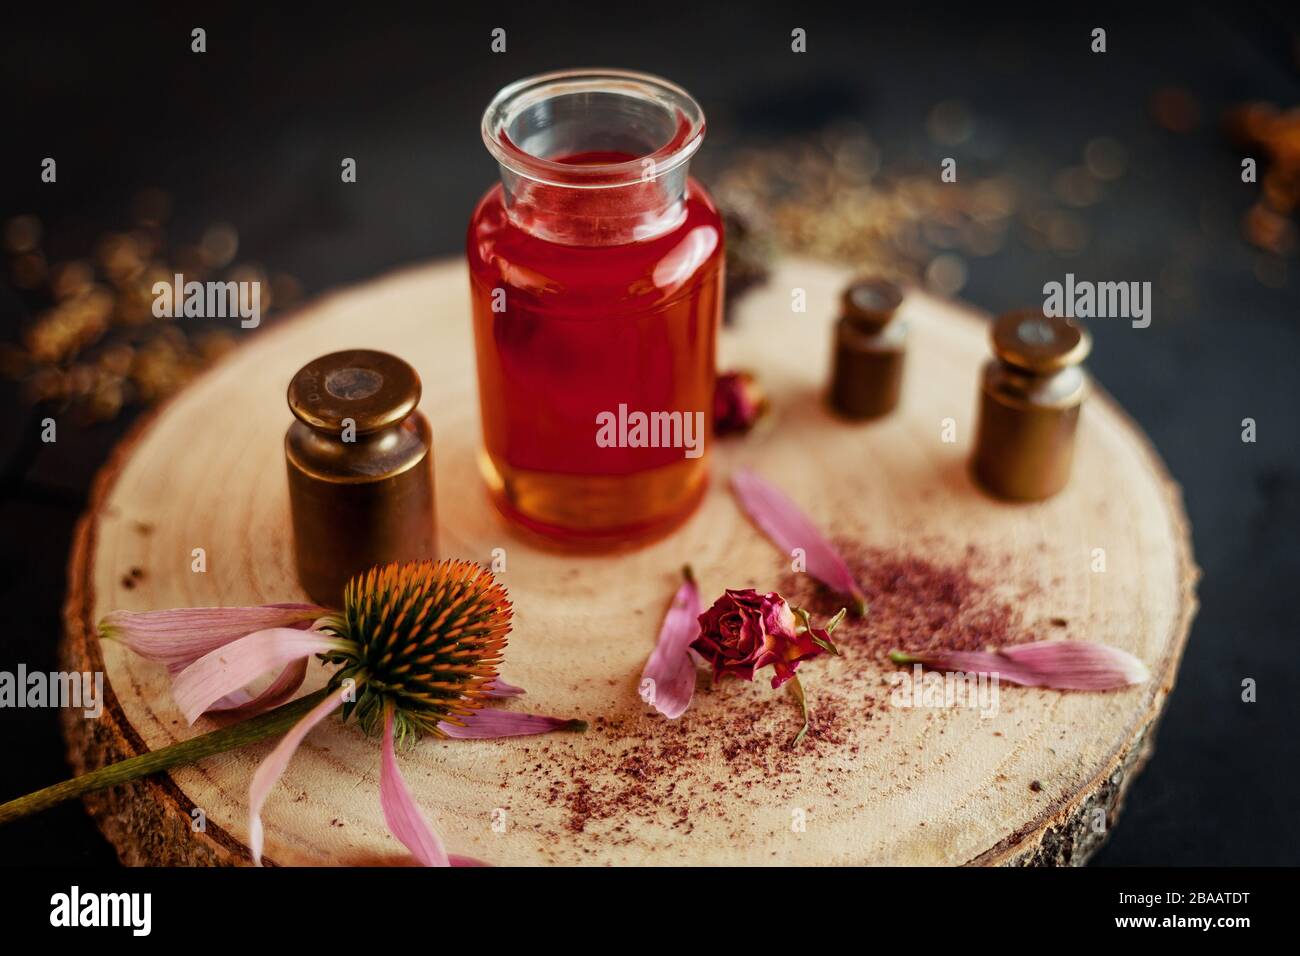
[[404, 819], [242, 703], [271, 768], [1080, 665], [489, 723], [789, 529], [228, 669], [668, 681], [180, 636], [1061, 665]]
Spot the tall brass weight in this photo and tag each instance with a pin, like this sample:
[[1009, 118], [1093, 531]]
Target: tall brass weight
[[1031, 394], [360, 463]]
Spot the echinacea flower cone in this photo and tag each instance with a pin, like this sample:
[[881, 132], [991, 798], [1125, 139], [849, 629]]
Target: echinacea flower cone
[[425, 638]]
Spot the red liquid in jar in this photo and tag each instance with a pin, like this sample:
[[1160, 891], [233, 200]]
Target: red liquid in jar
[[587, 328]]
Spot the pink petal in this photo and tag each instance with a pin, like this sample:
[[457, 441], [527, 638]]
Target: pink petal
[[232, 701], [1080, 665], [499, 688], [1062, 665], [789, 528], [404, 819], [270, 769], [183, 635], [668, 681], [973, 662], [276, 693], [488, 723], [228, 669]]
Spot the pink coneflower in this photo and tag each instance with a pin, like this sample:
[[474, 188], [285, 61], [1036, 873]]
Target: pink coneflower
[[418, 647]]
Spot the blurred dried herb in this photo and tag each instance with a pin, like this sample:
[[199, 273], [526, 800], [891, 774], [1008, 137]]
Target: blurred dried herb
[[829, 198], [95, 346]]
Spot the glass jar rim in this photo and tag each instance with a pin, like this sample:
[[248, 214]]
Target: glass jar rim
[[523, 94]]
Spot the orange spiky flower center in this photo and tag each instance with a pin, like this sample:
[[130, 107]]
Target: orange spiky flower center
[[426, 637]]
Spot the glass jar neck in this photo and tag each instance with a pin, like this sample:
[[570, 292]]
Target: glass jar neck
[[609, 215], [594, 157]]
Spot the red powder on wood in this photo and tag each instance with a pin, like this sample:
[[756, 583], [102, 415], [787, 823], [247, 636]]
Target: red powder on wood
[[914, 604], [640, 767]]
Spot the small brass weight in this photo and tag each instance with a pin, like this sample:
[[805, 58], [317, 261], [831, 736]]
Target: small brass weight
[[1029, 405], [870, 348], [360, 462]]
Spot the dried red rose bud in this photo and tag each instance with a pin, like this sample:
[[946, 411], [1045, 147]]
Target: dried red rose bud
[[745, 631], [738, 403]]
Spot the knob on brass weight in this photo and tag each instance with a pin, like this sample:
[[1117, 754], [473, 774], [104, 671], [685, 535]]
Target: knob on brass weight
[[1029, 406], [360, 465], [870, 343]]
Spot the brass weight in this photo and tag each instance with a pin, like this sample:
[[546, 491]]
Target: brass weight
[[1031, 394], [360, 463], [870, 346]]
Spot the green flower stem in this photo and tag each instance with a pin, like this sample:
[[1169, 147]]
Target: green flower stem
[[249, 731], [797, 689]]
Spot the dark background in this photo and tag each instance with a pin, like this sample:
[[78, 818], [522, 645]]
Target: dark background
[[252, 133]]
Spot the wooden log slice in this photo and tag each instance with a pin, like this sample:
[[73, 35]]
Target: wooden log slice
[[1038, 782]]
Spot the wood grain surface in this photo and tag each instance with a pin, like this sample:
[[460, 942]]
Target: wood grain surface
[[1039, 782]]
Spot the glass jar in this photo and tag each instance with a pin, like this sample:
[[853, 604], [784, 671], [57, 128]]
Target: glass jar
[[596, 270]]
